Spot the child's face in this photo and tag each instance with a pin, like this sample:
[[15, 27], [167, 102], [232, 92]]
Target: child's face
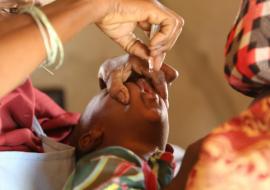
[[140, 126]]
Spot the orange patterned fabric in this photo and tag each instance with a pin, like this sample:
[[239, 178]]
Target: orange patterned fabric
[[236, 155]]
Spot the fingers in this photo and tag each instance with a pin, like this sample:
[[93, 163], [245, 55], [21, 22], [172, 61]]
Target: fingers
[[135, 47], [112, 65], [145, 26], [170, 73], [139, 66], [112, 74], [157, 61], [123, 18], [170, 29], [117, 89], [164, 47], [165, 38], [157, 77], [160, 85]]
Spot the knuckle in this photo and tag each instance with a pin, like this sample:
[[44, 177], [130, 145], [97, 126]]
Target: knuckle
[[179, 21], [114, 92], [131, 46], [115, 88]]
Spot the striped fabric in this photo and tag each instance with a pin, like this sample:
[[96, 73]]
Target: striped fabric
[[116, 168], [247, 51]]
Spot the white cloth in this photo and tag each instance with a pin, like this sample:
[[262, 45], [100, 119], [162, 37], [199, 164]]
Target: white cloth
[[37, 171], [178, 157]]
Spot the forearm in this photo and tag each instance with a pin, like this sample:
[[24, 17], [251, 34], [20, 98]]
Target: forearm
[[22, 48]]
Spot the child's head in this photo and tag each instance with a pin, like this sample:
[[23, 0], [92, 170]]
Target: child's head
[[140, 126]]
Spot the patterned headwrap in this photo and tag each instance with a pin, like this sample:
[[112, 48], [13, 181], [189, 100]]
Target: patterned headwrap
[[247, 66]]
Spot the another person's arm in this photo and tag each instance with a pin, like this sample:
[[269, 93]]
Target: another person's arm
[[22, 48], [190, 159]]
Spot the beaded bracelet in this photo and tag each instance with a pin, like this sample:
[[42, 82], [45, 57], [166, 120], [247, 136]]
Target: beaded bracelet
[[53, 45]]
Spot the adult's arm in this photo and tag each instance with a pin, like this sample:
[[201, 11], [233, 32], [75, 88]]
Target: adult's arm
[[21, 44], [189, 160], [22, 48]]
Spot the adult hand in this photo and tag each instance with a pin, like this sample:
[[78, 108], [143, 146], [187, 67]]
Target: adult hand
[[123, 16], [114, 72]]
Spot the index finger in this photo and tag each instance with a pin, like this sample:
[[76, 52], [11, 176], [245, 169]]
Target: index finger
[[170, 28], [160, 85]]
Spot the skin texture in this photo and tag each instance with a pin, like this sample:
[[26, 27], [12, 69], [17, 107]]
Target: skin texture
[[114, 72], [190, 159], [133, 12], [192, 153], [19, 33], [141, 126], [116, 18]]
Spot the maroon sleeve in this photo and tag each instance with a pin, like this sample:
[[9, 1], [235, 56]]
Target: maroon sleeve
[[56, 122]]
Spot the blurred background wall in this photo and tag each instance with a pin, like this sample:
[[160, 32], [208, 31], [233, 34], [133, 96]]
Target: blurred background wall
[[199, 100]]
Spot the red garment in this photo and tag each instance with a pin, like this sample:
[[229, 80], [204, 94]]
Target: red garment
[[17, 110], [236, 155]]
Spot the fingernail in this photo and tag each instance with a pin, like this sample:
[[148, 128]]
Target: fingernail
[[150, 64]]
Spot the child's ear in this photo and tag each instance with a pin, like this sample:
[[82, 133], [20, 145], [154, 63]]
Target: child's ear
[[90, 140]]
